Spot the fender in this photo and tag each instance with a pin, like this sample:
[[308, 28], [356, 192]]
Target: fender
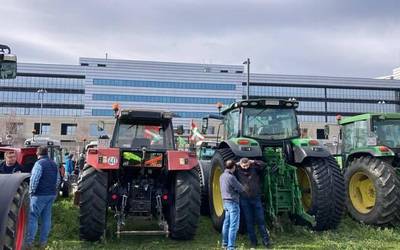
[[181, 160], [250, 150], [300, 153], [373, 151], [103, 158], [9, 184]]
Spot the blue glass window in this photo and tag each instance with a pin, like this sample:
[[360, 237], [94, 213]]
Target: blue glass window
[[164, 84]]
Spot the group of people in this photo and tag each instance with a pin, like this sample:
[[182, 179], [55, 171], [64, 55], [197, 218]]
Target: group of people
[[44, 180], [241, 190]]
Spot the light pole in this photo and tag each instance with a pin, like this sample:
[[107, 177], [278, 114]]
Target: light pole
[[41, 91], [247, 62]]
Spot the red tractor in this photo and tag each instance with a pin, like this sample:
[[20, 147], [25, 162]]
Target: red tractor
[[140, 174]]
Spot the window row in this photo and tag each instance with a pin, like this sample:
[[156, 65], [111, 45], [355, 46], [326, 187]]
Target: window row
[[311, 118], [161, 99], [164, 84], [34, 97], [287, 91], [360, 107], [45, 129], [37, 111], [361, 94], [44, 82], [311, 106]]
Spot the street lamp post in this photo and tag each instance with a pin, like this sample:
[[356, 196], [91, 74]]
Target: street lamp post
[[247, 62], [41, 91], [382, 104]]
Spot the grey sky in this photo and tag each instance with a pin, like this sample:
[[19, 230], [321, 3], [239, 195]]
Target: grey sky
[[310, 37]]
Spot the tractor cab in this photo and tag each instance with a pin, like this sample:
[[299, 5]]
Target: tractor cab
[[262, 120], [377, 133], [143, 137]]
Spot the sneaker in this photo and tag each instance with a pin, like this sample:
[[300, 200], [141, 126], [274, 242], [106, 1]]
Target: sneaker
[[266, 243]]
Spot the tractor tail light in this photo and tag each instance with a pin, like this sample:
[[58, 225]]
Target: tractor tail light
[[313, 143], [383, 149], [165, 197], [114, 197], [243, 142]]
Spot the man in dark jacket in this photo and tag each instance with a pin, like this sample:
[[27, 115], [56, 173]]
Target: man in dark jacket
[[10, 164], [249, 173], [42, 189], [230, 192]]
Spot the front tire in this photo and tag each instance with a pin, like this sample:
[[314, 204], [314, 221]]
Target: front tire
[[214, 190], [186, 207], [204, 169], [17, 220], [373, 191], [92, 188], [323, 195]]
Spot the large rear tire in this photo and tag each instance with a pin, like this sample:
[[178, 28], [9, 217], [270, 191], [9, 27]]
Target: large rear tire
[[17, 221], [214, 190], [186, 207], [373, 191], [204, 173], [92, 188], [323, 195]]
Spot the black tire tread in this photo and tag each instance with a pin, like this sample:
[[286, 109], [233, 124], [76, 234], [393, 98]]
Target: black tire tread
[[92, 188], [187, 205], [20, 197], [387, 191], [328, 201]]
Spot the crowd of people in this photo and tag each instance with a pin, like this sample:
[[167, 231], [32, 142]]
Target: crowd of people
[[241, 190]]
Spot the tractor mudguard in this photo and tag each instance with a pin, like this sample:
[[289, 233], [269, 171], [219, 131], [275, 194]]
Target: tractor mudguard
[[300, 153], [181, 160], [9, 184], [103, 158], [248, 151], [374, 151]]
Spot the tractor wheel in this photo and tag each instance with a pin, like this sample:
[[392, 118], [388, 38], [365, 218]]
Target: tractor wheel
[[214, 189], [323, 195], [186, 206], [17, 221], [92, 188], [373, 191], [204, 173]]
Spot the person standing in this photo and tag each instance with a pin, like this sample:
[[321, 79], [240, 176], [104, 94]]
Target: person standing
[[230, 192], [248, 174], [10, 164], [42, 189], [69, 168]]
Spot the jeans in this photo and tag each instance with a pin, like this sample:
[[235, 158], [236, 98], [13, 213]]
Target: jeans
[[254, 214], [231, 224], [40, 207]]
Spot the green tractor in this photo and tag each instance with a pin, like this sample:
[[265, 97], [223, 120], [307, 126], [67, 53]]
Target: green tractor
[[301, 179], [370, 158]]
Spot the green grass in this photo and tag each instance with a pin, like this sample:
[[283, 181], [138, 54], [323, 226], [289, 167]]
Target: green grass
[[349, 235]]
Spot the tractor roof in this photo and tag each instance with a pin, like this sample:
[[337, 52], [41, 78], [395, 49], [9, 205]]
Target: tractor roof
[[262, 103], [145, 115], [362, 117], [41, 141]]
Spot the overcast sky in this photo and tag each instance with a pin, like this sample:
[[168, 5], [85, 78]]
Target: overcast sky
[[307, 37]]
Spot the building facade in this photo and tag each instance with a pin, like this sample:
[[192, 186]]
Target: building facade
[[71, 100]]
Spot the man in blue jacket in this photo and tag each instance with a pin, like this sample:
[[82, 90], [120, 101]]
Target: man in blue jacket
[[42, 189]]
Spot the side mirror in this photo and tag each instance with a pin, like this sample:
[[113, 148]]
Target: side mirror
[[180, 130], [204, 125], [8, 63]]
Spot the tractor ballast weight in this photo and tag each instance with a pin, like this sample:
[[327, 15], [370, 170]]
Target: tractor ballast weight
[[140, 174], [301, 178], [370, 157]]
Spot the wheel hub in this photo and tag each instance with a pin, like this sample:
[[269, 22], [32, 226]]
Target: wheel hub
[[362, 192], [216, 192], [305, 187]]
